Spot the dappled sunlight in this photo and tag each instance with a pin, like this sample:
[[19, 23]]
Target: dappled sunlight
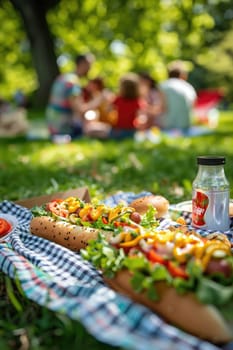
[[71, 153], [105, 167]]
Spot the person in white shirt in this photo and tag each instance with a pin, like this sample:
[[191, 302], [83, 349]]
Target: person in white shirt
[[179, 99]]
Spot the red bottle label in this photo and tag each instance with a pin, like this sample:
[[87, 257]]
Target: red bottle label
[[200, 204]]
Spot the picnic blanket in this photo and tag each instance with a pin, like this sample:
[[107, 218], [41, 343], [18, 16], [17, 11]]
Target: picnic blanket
[[62, 281]]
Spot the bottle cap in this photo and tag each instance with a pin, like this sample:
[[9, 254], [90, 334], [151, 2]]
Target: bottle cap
[[211, 160]]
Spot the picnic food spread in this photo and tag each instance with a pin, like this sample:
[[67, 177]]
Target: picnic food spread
[[72, 223], [182, 276]]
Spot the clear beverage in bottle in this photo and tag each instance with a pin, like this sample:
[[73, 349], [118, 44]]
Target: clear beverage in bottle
[[210, 197]]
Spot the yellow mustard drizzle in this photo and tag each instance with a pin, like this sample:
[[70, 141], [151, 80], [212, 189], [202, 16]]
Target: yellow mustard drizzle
[[115, 212], [211, 249], [95, 211], [84, 211], [186, 245], [127, 237], [72, 204], [136, 240]]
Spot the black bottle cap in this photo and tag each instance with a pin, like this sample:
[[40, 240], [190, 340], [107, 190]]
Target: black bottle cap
[[211, 160]]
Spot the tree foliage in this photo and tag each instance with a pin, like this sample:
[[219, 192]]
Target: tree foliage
[[123, 35]]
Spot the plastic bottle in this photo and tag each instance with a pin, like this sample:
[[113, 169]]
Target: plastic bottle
[[210, 198]]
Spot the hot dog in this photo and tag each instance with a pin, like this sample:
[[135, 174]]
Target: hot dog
[[72, 223], [64, 233], [185, 278]]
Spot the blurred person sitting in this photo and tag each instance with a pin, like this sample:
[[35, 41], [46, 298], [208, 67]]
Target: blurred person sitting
[[94, 90], [97, 122], [127, 107], [66, 106], [154, 102], [179, 99]]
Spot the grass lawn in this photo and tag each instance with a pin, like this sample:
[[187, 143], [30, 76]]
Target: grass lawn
[[30, 168]]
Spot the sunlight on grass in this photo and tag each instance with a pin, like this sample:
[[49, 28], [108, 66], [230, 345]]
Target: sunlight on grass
[[105, 167]]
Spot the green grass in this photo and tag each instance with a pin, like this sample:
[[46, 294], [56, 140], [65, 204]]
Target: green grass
[[32, 168], [37, 167]]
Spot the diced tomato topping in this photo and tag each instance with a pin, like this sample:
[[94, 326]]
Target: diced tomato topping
[[154, 257], [117, 224], [177, 270], [126, 249], [57, 200], [5, 227], [89, 217], [85, 214], [56, 209], [86, 217], [104, 220], [124, 224]]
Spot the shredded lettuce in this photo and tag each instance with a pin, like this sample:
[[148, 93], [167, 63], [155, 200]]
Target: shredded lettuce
[[145, 275], [104, 256], [137, 281], [148, 219], [100, 225], [183, 286], [211, 292], [136, 263], [39, 211], [227, 312]]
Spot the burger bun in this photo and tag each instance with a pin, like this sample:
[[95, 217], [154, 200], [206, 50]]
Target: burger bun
[[160, 203]]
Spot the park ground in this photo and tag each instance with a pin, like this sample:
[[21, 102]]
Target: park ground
[[33, 167]]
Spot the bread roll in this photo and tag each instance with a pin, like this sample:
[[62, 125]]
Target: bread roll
[[70, 236], [142, 204]]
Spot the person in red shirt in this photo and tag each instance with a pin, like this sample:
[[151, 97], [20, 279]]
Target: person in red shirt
[[127, 106]]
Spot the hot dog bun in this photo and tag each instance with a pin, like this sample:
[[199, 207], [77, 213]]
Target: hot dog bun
[[183, 311], [142, 204], [70, 236]]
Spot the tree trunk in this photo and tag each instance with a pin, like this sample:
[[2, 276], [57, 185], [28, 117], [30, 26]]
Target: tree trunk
[[33, 13]]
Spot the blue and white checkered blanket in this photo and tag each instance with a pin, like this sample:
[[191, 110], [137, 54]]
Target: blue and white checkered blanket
[[62, 281]]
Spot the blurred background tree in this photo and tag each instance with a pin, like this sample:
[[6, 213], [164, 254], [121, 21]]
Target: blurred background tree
[[40, 38]]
